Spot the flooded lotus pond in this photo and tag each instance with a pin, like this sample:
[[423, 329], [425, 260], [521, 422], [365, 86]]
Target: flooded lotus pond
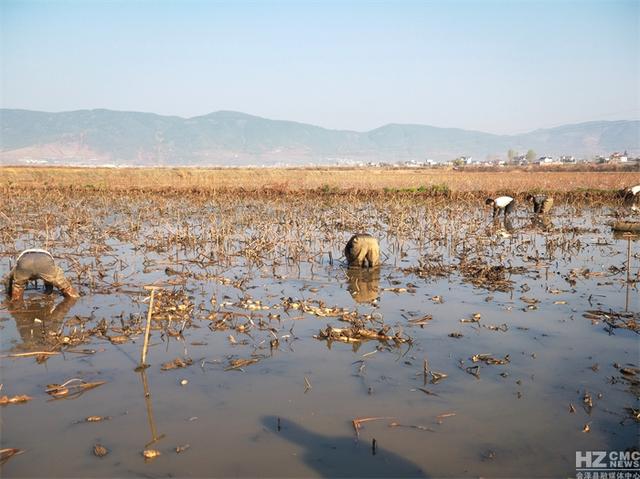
[[478, 348]]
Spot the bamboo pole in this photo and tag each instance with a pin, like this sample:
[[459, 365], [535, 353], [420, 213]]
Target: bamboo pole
[[147, 330]]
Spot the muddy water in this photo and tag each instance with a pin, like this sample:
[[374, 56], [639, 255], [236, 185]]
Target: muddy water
[[507, 420]]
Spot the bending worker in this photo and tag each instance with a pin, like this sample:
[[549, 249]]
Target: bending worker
[[501, 204], [631, 197], [542, 204], [37, 264]]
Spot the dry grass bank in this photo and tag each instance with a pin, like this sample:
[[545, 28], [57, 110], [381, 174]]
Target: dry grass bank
[[305, 179]]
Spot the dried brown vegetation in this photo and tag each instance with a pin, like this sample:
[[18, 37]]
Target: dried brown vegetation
[[427, 182]]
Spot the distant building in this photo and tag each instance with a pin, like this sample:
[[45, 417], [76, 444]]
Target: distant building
[[411, 164], [545, 160], [618, 157], [520, 160], [568, 159]]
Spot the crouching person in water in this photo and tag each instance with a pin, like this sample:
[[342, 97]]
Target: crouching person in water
[[631, 197], [37, 264], [362, 250], [542, 204], [501, 204]]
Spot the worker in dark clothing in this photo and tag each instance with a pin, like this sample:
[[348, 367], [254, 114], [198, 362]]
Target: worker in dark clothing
[[34, 264], [542, 204]]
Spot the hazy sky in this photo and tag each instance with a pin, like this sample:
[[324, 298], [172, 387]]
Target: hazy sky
[[495, 66]]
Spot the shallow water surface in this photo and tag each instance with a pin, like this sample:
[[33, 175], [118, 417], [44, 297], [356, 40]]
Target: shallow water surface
[[258, 280]]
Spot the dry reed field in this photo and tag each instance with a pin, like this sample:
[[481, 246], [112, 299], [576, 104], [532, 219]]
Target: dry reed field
[[514, 181]]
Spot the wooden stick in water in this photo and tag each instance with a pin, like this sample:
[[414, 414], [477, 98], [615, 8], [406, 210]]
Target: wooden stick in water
[[629, 259], [147, 330]]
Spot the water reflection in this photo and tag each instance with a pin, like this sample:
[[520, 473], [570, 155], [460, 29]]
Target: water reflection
[[542, 223], [35, 318], [629, 237], [147, 399], [342, 456], [363, 284], [503, 226]]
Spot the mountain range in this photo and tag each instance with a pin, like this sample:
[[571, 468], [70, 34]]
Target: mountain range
[[236, 139]]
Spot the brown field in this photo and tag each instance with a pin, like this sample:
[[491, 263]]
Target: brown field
[[447, 181]]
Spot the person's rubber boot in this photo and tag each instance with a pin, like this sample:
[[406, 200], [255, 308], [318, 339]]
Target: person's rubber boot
[[17, 292], [70, 292]]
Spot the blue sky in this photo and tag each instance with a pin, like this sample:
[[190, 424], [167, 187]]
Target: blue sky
[[495, 66]]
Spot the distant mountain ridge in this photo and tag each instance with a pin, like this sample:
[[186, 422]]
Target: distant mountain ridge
[[236, 139]]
